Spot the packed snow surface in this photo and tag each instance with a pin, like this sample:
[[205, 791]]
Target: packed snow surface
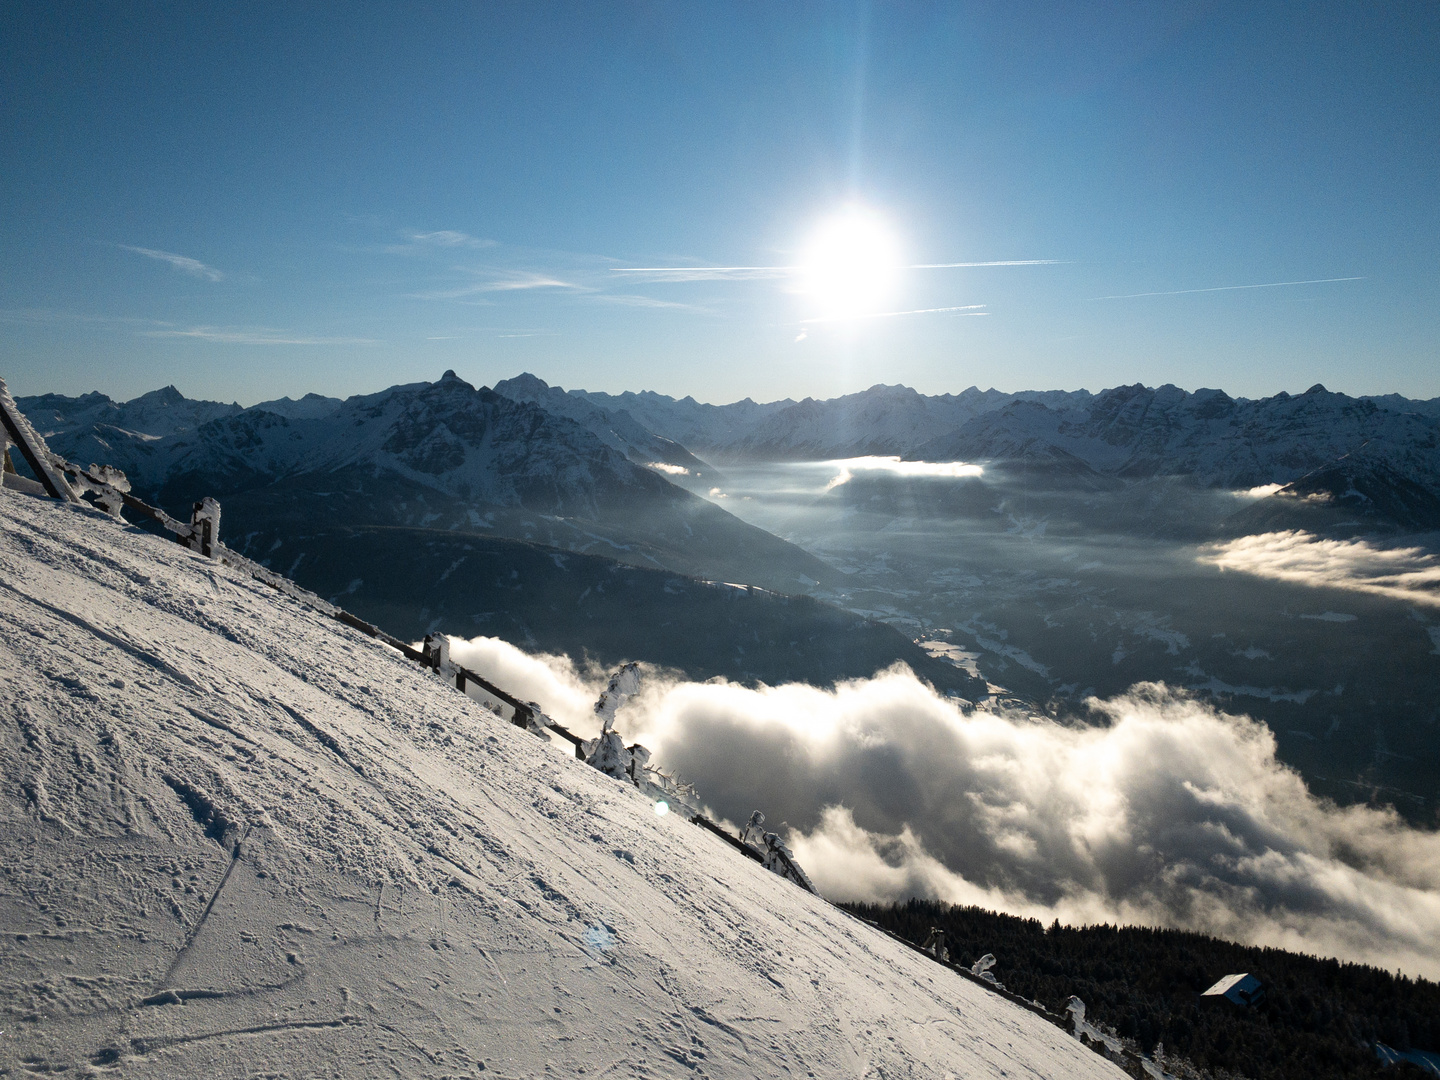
[[240, 839]]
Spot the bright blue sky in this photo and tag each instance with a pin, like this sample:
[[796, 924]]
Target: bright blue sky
[[372, 194]]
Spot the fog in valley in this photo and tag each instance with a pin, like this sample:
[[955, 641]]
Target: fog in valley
[[1163, 811], [1058, 587]]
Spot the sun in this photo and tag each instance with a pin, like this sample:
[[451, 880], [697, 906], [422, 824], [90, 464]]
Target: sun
[[851, 264]]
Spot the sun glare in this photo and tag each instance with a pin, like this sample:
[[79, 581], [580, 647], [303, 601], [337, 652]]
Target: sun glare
[[851, 264]]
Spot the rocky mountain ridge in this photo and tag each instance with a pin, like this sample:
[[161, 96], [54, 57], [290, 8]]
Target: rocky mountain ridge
[[616, 428], [438, 455], [883, 420], [1139, 432]]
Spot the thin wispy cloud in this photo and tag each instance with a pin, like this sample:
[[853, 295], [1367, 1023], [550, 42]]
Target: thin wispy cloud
[[230, 336], [517, 281], [631, 300], [183, 263], [450, 238], [501, 282], [1227, 288], [963, 309], [680, 274], [659, 274]]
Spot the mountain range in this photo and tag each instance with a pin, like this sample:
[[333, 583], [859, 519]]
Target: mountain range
[[428, 455], [522, 443], [1127, 431], [1138, 432], [1079, 438]]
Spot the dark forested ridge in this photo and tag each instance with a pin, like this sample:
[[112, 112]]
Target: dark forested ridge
[[1319, 1018]]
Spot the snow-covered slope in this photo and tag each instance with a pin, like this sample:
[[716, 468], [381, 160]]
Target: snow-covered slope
[[241, 840], [1355, 493]]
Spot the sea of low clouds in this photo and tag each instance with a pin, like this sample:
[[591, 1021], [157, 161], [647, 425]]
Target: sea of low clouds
[[846, 468], [1400, 573], [1167, 814]]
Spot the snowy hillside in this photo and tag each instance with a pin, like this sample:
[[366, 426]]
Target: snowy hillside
[[445, 436], [241, 840]]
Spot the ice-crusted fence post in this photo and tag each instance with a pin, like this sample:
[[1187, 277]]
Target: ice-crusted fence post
[[205, 526], [435, 654], [607, 752], [436, 648], [778, 858], [982, 968], [32, 448]]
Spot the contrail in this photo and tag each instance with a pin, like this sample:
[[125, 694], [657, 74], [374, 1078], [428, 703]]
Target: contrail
[[1228, 288], [968, 309], [717, 273], [998, 262]]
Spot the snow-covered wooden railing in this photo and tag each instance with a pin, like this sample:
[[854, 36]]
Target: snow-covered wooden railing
[[435, 653], [32, 448]]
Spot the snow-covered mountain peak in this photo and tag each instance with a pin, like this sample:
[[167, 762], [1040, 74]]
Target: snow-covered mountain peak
[[615, 427], [310, 407], [1138, 431], [444, 455]]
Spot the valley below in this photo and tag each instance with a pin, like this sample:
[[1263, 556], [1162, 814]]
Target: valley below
[[1060, 595]]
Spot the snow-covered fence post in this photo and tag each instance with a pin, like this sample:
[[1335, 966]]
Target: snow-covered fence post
[[607, 752], [33, 449], [437, 655], [205, 526], [1075, 1009], [437, 650], [982, 968], [778, 858]]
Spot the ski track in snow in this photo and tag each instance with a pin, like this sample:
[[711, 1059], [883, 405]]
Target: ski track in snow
[[239, 839]]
